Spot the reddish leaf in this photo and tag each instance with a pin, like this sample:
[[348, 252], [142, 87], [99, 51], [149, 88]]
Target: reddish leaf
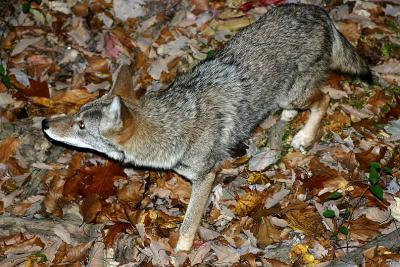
[[100, 180], [114, 231], [374, 154], [246, 6], [74, 185], [90, 207], [394, 112], [39, 89], [270, 2]]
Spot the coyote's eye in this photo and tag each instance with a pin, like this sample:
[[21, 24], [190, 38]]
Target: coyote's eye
[[81, 125]]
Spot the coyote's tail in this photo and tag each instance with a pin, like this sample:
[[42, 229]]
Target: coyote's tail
[[346, 59]]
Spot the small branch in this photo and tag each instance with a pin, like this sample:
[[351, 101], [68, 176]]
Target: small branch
[[355, 257], [69, 230]]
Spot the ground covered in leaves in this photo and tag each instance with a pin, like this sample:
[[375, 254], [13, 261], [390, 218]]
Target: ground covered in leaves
[[338, 203]]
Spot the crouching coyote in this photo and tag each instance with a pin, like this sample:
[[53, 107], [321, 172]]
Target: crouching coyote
[[274, 64]]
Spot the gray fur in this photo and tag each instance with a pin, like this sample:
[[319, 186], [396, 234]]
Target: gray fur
[[276, 63]]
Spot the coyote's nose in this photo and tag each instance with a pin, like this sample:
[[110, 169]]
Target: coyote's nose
[[45, 124]]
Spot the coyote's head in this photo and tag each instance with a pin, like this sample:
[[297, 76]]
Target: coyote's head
[[99, 124]]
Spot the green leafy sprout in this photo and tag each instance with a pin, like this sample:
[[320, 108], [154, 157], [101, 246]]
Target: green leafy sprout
[[27, 5], [4, 77]]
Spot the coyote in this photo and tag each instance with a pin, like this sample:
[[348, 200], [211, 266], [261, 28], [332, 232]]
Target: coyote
[[277, 63]]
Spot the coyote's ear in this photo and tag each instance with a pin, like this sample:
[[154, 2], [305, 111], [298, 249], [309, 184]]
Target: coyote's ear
[[113, 110], [123, 85]]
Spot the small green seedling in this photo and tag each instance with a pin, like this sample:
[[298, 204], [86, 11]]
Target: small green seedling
[[329, 213], [27, 5], [343, 229], [334, 196], [4, 77], [374, 175]]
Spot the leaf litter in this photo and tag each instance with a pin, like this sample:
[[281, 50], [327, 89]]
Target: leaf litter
[[269, 208]]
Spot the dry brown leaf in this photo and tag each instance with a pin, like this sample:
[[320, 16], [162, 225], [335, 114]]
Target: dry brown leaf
[[267, 233], [36, 89], [114, 212], [8, 147], [378, 256], [101, 179], [200, 6], [26, 245], [71, 254], [336, 121], [308, 221], [98, 66], [80, 9], [131, 193], [179, 187], [323, 177], [90, 207], [22, 207], [374, 154], [363, 229], [114, 231], [39, 65], [247, 203], [378, 100], [52, 201]]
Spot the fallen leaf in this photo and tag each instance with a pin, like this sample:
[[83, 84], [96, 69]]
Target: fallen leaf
[[262, 160], [226, 255], [8, 147], [113, 232], [307, 221], [395, 208], [267, 233], [90, 207], [247, 203], [131, 193], [374, 154], [53, 199]]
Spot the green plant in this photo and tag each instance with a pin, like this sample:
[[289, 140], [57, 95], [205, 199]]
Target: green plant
[[27, 5], [4, 77], [375, 172]]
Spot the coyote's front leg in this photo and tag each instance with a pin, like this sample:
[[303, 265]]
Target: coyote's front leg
[[200, 192]]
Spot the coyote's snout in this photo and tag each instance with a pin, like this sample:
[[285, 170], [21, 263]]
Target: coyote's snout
[[277, 63]]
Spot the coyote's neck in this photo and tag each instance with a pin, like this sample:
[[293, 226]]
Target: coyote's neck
[[147, 139]]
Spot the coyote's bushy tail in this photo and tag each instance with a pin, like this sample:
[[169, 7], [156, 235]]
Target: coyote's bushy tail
[[346, 59]]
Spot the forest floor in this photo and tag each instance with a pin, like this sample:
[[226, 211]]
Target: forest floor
[[336, 204]]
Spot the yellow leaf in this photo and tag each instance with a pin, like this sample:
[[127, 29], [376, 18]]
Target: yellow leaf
[[247, 203]]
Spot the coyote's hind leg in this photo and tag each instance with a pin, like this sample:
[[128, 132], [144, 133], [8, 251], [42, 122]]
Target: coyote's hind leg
[[306, 136]]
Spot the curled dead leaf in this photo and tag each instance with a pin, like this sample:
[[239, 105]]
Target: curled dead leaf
[[52, 201], [374, 154], [90, 207], [267, 233], [247, 203], [8, 147], [131, 193], [80, 9], [307, 221]]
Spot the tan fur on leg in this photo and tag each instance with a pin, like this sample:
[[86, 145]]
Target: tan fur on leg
[[306, 136], [200, 192]]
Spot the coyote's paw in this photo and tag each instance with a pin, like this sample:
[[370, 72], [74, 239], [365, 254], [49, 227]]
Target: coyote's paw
[[302, 140], [184, 244]]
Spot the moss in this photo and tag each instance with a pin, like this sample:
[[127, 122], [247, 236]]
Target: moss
[[392, 24], [393, 90], [356, 102], [390, 50]]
